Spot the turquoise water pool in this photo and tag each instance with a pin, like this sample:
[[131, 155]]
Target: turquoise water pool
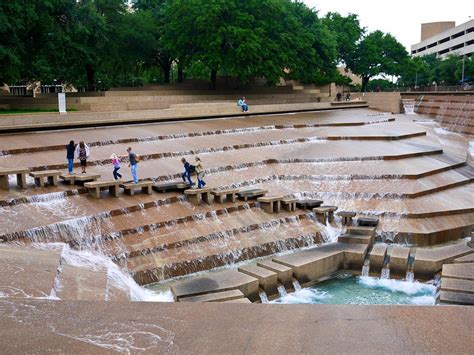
[[364, 290]]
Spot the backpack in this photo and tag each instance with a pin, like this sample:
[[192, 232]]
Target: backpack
[[137, 158], [192, 168]]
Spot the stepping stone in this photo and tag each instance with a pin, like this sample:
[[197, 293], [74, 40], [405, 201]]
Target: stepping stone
[[270, 204], [254, 193], [172, 186], [457, 285], [367, 221], [82, 284], [308, 204], [347, 217], [145, 186], [227, 194], [20, 177], [27, 273], [52, 176], [224, 296], [268, 279], [94, 187], [456, 298], [195, 196], [289, 204], [71, 179]]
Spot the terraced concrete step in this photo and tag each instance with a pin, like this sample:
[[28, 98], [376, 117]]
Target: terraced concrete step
[[465, 259], [216, 282], [27, 273], [377, 255], [457, 285], [268, 279], [399, 259], [285, 273], [224, 296], [458, 271], [430, 261], [81, 284], [239, 300], [359, 230], [456, 298], [355, 239]]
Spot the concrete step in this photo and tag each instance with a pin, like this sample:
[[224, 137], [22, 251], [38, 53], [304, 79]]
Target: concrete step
[[429, 261], [358, 230], [27, 273], [82, 284], [356, 239], [456, 298], [284, 273], [458, 271], [377, 256], [399, 259], [239, 300], [224, 296], [465, 259], [457, 285], [221, 281], [268, 279]]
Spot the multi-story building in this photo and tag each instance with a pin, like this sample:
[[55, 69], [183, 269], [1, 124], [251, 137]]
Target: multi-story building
[[444, 38]]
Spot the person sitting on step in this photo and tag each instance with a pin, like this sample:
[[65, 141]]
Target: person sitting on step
[[243, 104]]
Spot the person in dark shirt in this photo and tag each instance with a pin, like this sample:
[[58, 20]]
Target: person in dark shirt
[[70, 149], [188, 170], [133, 158]]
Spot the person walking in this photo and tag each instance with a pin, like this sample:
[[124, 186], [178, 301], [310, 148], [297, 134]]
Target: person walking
[[116, 164], [188, 170], [133, 159], [82, 152], [70, 150], [200, 173]]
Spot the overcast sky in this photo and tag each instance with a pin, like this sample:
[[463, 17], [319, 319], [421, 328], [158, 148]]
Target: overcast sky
[[402, 18]]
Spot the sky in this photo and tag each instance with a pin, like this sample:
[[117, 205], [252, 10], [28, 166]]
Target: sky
[[401, 18]]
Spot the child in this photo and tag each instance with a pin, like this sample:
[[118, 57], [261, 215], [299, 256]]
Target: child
[[82, 152], [188, 170], [200, 173], [116, 163], [133, 158]]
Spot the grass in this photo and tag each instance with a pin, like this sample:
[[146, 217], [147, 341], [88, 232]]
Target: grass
[[28, 110]]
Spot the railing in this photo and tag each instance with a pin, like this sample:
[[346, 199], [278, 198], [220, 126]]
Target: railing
[[22, 90], [444, 88]]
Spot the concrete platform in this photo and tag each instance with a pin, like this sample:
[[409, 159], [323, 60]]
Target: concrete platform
[[82, 284], [26, 273], [224, 296], [465, 259], [98, 328], [430, 261], [361, 230], [239, 300], [355, 239], [268, 279], [310, 265], [217, 282]]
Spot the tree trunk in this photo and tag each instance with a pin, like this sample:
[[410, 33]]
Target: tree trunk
[[365, 81], [213, 83], [180, 72], [90, 73], [165, 65]]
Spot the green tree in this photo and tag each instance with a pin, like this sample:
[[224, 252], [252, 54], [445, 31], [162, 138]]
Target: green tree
[[378, 53], [348, 33]]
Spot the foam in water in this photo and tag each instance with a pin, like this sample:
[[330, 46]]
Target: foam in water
[[282, 291], [409, 288], [115, 276]]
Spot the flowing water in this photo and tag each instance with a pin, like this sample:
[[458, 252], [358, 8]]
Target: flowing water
[[364, 290]]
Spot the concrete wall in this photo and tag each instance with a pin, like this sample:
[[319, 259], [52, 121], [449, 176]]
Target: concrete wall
[[433, 28], [383, 101]]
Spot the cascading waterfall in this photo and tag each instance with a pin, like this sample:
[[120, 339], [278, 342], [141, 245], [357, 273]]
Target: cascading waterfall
[[296, 285], [385, 274], [408, 106], [365, 270], [410, 276], [263, 297], [282, 291]]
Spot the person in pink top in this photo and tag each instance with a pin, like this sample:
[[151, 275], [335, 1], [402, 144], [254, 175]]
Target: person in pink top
[[116, 164]]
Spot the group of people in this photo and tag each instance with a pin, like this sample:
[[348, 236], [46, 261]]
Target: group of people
[[339, 97], [81, 151], [190, 169]]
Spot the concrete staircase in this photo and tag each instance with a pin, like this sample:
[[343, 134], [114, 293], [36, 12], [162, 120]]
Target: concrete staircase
[[457, 281]]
